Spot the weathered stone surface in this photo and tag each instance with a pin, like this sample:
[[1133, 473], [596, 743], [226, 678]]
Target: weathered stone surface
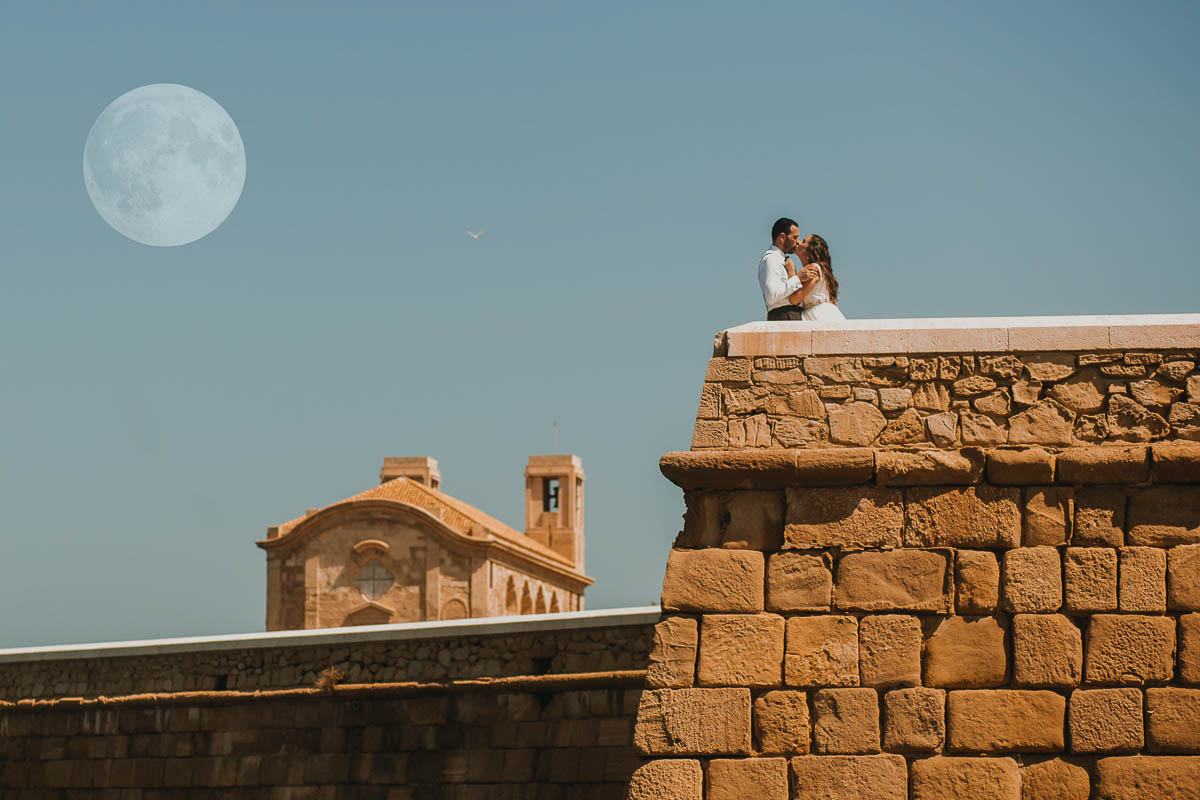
[[979, 429], [673, 659], [1049, 512], [710, 433], [1029, 466], [942, 428], [1091, 428], [881, 777], [942, 778], [741, 402], [1106, 721], [962, 652], [1130, 421], [1044, 422], [1124, 370], [702, 520], [853, 516], [1143, 580], [973, 385], [1128, 650], [901, 580], [889, 650], [931, 397], [683, 722], [668, 779], [1005, 721], [1189, 648], [1026, 393], [1185, 421], [1083, 393], [754, 431], [914, 720], [821, 651], [1049, 366], [891, 399], [998, 404], [846, 721], [755, 520], [976, 516], [929, 467], [710, 402], [949, 367], [1145, 777], [866, 395], [1055, 779], [781, 723], [1005, 366], [836, 369], [1174, 720], [1099, 517], [1176, 371], [714, 580], [976, 582], [740, 650], [1047, 651], [737, 779], [1097, 465], [728, 369], [855, 423], [1183, 578], [1031, 578], [922, 369], [1154, 394], [908, 428], [1091, 578], [1162, 516], [799, 582], [798, 432], [843, 466], [731, 469]]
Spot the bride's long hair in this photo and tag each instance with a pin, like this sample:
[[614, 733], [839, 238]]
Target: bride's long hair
[[818, 253]]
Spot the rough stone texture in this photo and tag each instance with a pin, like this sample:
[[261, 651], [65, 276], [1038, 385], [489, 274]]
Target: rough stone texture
[[821, 651], [1130, 421], [1055, 779], [1127, 650], [1099, 517], [914, 720], [1103, 465], [1091, 579], [728, 369], [1031, 580], [1163, 516], [942, 428], [668, 779], [1005, 721], [755, 520], [962, 652], [673, 659], [1143, 580], [976, 581], [1106, 721], [1146, 777], [699, 722], [881, 777], [1183, 578], [942, 778], [1173, 716], [1189, 648], [1045, 422], [1176, 462], [1047, 651], [908, 428], [1049, 512], [781, 722], [889, 650], [1026, 467], [855, 423], [1082, 393], [740, 650], [713, 580], [929, 467], [975, 517], [835, 517], [799, 582], [902, 580], [846, 722], [737, 779]]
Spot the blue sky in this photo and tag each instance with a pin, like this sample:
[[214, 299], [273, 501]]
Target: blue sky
[[162, 406]]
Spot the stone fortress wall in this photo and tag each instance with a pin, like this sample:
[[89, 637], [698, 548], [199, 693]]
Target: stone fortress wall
[[966, 565]]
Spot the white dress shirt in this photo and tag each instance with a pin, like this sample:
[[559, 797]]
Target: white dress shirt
[[774, 280]]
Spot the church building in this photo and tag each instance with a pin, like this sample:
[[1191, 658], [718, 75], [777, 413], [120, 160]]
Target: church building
[[405, 551]]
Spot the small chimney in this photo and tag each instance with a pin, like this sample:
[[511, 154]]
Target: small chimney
[[421, 469]]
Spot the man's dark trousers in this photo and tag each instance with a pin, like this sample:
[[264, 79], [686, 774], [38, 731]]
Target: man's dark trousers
[[786, 314]]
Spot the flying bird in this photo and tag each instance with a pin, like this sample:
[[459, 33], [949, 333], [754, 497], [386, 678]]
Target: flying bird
[[475, 235]]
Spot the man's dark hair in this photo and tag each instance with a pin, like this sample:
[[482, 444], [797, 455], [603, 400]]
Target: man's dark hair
[[782, 225]]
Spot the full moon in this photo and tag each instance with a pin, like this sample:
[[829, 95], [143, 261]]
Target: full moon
[[164, 164]]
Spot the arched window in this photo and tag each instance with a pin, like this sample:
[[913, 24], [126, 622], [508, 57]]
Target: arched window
[[526, 600], [554, 603], [510, 599], [540, 608], [454, 609]]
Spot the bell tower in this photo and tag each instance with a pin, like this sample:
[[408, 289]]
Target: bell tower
[[554, 504]]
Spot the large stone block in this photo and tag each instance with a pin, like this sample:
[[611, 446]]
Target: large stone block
[[781, 722], [1045, 422], [1145, 777], [976, 581], [855, 423], [1055, 779], [882, 777], [982, 517], [962, 652], [703, 519], [1128, 650], [1176, 462], [889, 650], [942, 778], [840, 466], [846, 721], [669, 779], [755, 520], [901, 580], [1047, 651], [929, 467], [1091, 578], [728, 370], [693, 722], [1029, 466], [1174, 720], [740, 650], [1031, 580], [914, 720], [840, 517], [799, 582], [1183, 578], [737, 779], [1106, 721], [821, 651], [1049, 511], [673, 658], [1143, 580], [1099, 517], [714, 580], [1005, 721], [1163, 516], [1189, 648], [1103, 465]]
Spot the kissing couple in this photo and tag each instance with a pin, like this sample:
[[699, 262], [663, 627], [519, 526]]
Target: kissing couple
[[809, 295]]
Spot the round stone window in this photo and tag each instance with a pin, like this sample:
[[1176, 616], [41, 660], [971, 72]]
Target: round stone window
[[373, 580]]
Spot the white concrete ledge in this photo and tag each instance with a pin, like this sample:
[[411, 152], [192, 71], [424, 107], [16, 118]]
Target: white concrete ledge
[[405, 631], [966, 335]]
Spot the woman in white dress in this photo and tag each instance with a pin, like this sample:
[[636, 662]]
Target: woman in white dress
[[819, 297]]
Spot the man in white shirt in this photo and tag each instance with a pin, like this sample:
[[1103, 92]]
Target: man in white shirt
[[778, 282]]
